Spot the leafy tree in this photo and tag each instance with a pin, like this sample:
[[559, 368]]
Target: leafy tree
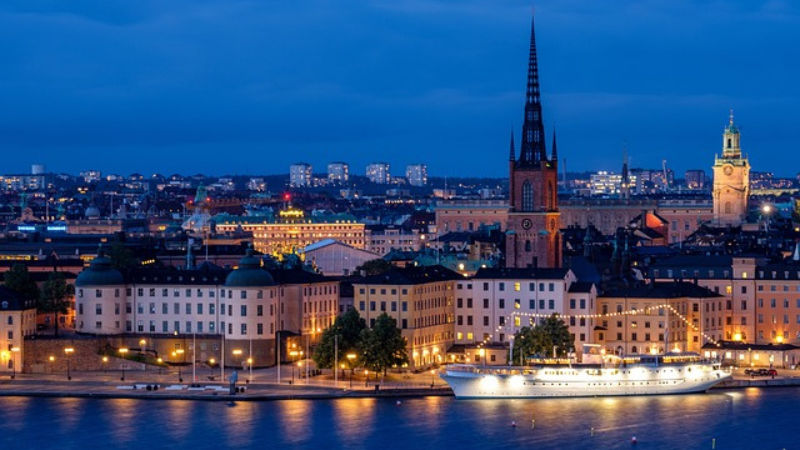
[[552, 333], [384, 346], [348, 328], [18, 279], [54, 296], [558, 332], [530, 341], [375, 266]]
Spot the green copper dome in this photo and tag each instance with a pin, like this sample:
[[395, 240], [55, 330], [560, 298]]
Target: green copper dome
[[100, 273], [249, 273]]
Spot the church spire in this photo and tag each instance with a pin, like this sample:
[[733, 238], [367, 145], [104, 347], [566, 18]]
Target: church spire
[[554, 157], [532, 148], [513, 156]]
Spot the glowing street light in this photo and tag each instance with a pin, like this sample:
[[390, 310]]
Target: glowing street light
[[52, 360], [69, 351], [14, 351], [123, 351], [105, 360], [293, 354], [351, 358]]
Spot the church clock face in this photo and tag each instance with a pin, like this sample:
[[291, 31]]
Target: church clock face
[[727, 169], [527, 224]]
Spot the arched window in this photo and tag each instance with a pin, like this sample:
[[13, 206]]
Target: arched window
[[527, 196], [527, 246], [729, 142], [634, 350]]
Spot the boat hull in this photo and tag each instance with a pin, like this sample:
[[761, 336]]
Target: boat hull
[[632, 381]]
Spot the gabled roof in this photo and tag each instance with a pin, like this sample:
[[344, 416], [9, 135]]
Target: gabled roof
[[581, 287]]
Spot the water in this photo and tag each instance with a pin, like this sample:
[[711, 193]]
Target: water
[[743, 419]]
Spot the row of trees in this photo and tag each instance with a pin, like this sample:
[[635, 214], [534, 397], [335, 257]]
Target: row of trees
[[53, 296], [377, 349]]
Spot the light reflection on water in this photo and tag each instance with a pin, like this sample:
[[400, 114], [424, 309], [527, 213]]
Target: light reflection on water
[[736, 419]]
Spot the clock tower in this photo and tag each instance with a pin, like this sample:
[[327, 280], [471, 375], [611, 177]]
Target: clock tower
[[731, 180], [533, 237]]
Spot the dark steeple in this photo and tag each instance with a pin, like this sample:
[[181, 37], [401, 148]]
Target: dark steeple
[[513, 156], [533, 149], [554, 156]]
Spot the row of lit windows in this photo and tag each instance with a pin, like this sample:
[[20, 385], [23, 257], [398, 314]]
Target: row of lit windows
[[501, 303], [176, 309]]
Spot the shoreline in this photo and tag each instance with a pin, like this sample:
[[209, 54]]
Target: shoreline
[[265, 392]]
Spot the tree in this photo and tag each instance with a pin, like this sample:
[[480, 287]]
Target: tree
[[348, 328], [19, 280], [54, 296], [384, 346], [558, 332], [529, 341], [552, 333], [375, 266]]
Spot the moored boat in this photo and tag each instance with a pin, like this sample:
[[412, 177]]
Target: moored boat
[[673, 373]]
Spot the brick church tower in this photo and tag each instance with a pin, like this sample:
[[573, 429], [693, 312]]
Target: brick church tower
[[533, 238]]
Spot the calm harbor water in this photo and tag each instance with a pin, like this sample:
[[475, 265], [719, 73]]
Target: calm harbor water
[[742, 419]]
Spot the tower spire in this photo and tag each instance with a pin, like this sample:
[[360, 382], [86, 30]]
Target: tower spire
[[532, 148], [554, 157], [513, 156]]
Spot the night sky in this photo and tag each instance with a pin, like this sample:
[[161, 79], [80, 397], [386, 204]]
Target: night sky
[[249, 87]]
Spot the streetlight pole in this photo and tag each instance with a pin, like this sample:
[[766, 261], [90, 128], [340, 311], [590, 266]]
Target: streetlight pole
[[335, 360], [293, 354], [123, 351], [69, 351], [350, 358], [194, 357], [14, 351], [105, 360], [180, 352]]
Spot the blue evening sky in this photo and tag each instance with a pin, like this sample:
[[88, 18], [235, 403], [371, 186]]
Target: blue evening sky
[[248, 87]]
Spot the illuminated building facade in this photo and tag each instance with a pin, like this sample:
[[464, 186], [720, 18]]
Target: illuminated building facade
[[421, 300], [292, 230]]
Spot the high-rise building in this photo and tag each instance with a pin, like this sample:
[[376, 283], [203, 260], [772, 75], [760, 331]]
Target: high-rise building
[[533, 238], [695, 179], [417, 174], [338, 172], [300, 175], [731, 180], [378, 172]]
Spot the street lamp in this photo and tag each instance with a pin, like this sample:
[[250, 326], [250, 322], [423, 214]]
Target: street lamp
[[178, 352], [69, 351], [293, 354], [351, 358], [250, 367], [105, 360], [433, 377], [366, 377], [52, 361], [159, 361], [14, 351], [123, 351]]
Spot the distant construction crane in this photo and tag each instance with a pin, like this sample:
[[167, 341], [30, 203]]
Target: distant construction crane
[[666, 177]]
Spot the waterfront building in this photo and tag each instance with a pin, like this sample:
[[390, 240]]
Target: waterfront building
[[17, 321], [244, 305], [421, 300], [731, 191], [533, 238], [494, 304]]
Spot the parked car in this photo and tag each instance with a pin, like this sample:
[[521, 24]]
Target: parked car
[[772, 372], [751, 372]]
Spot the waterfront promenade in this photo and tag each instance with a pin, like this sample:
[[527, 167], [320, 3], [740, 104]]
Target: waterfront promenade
[[165, 384], [208, 385]]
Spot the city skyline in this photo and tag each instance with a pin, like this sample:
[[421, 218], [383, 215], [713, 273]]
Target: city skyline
[[181, 86]]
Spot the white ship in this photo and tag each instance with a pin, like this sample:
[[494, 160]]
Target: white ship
[[673, 373]]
